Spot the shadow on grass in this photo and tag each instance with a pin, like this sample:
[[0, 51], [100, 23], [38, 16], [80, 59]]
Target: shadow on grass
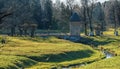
[[96, 43], [67, 56]]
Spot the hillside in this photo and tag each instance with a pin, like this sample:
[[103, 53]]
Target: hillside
[[46, 52], [110, 43]]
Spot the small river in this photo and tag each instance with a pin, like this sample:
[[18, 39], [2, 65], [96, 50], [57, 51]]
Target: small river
[[106, 53]]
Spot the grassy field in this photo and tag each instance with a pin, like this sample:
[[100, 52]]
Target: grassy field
[[107, 42], [51, 52], [111, 44], [112, 63], [15, 62], [44, 53]]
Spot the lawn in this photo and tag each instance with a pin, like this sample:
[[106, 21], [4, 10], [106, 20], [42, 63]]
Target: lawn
[[47, 52], [15, 62], [111, 44], [51, 52], [111, 63], [107, 42]]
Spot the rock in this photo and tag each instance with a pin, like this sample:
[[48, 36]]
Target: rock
[[116, 33], [91, 34]]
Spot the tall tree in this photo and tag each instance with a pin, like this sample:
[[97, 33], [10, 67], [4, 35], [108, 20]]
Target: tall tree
[[48, 13], [84, 12], [64, 17], [37, 12], [56, 15], [99, 16], [113, 14], [70, 4], [90, 15], [116, 15]]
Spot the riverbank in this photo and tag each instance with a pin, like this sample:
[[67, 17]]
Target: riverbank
[[49, 52], [111, 63], [111, 45], [105, 52]]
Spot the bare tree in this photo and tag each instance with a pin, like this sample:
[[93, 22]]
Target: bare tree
[[84, 12], [99, 17], [33, 27], [88, 6], [90, 16], [116, 13], [113, 15], [70, 4]]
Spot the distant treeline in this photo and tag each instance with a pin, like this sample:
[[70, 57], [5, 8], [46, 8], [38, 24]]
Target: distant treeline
[[29, 15]]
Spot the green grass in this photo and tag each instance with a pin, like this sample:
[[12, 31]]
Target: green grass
[[107, 42], [110, 43], [49, 52], [112, 63], [15, 62], [67, 62]]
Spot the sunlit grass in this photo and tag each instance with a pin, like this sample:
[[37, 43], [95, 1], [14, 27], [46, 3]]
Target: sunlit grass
[[15, 62], [108, 42], [112, 63], [49, 51], [18, 46]]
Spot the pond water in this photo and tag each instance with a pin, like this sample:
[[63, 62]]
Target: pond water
[[107, 55]]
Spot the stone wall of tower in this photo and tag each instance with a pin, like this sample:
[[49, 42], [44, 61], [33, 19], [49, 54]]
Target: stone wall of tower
[[75, 28]]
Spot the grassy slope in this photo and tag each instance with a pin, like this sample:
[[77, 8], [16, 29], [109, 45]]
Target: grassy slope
[[15, 62], [112, 63], [49, 52], [112, 44], [108, 42]]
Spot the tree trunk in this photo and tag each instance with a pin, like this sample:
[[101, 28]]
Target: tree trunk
[[91, 29], [20, 32], [25, 32], [12, 31], [32, 33], [86, 33], [116, 21], [102, 28]]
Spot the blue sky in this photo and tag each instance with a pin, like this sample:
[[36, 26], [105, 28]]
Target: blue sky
[[98, 0]]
